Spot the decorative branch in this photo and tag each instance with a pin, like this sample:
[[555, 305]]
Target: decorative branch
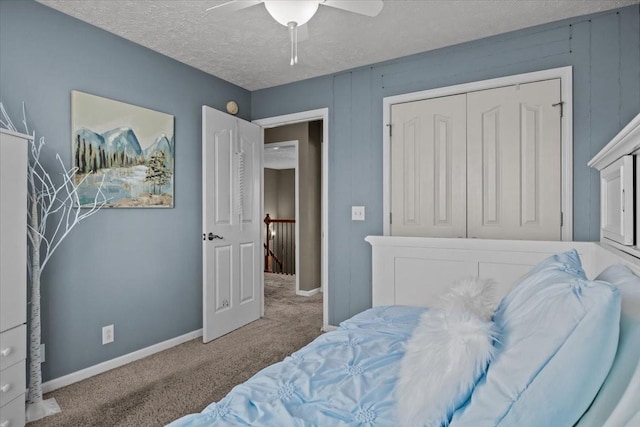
[[46, 200]]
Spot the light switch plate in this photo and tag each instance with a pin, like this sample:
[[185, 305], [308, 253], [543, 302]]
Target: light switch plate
[[357, 213]]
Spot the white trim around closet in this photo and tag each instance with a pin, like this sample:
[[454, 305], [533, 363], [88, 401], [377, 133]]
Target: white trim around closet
[[565, 75]]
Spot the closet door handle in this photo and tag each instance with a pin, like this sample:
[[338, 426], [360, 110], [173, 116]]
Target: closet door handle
[[5, 388], [5, 352]]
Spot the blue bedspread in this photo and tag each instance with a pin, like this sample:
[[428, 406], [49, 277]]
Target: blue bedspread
[[343, 378]]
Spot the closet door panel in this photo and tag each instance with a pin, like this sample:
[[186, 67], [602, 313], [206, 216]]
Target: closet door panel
[[513, 162], [428, 168]]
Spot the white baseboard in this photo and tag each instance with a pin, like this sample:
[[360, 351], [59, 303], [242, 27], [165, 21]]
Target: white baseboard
[[308, 293], [91, 371], [328, 328]]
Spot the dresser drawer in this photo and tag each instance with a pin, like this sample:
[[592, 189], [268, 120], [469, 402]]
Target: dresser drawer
[[13, 381], [13, 346], [13, 413]]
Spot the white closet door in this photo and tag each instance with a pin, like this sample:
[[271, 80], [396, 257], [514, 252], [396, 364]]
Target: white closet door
[[514, 161], [428, 168]]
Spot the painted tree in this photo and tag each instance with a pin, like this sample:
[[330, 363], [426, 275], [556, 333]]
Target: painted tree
[[53, 210], [157, 171]]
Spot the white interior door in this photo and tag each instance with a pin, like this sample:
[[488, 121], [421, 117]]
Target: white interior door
[[514, 162], [231, 182], [428, 167]]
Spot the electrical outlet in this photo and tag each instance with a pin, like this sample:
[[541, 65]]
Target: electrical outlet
[[42, 358], [107, 334]]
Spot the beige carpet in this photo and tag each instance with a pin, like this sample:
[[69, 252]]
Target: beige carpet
[[182, 380]]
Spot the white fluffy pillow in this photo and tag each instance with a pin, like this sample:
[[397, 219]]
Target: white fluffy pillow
[[446, 355]]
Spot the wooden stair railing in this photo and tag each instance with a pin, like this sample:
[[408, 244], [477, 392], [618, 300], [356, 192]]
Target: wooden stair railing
[[279, 245], [269, 255]]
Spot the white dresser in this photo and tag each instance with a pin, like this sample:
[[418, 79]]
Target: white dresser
[[619, 166], [13, 277]]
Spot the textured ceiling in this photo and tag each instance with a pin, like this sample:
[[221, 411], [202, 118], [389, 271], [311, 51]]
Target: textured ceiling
[[251, 50], [281, 157]]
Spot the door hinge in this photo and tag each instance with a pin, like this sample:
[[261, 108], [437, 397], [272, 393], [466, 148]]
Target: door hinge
[[390, 218], [390, 129], [561, 104], [561, 219]]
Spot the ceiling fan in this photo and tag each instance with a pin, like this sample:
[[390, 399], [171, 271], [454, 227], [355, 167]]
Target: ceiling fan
[[295, 13]]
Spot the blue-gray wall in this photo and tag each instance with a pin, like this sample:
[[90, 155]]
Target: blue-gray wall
[[140, 269], [603, 49]]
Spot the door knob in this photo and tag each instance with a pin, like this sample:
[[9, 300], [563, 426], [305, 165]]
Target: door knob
[[214, 236]]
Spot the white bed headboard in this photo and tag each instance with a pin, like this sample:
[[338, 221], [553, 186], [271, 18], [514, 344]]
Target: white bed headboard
[[414, 270]]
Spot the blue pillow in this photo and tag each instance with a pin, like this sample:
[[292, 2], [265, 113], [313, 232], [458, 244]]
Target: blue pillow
[[610, 400], [558, 338]]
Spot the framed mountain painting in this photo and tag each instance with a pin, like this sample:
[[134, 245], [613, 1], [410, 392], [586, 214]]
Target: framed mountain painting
[[126, 148]]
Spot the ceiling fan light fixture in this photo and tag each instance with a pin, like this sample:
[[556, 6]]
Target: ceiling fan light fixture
[[296, 11], [292, 14]]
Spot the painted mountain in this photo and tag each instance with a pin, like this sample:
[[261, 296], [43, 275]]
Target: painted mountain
[[123, 140], [161, 144], [130, 175], [115, 148]]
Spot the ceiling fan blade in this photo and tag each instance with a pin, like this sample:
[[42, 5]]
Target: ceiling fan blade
[[362, 7], [233, 6]]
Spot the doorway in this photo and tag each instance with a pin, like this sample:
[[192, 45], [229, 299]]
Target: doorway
[[278, 129], [309, 202], [281, 207]]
